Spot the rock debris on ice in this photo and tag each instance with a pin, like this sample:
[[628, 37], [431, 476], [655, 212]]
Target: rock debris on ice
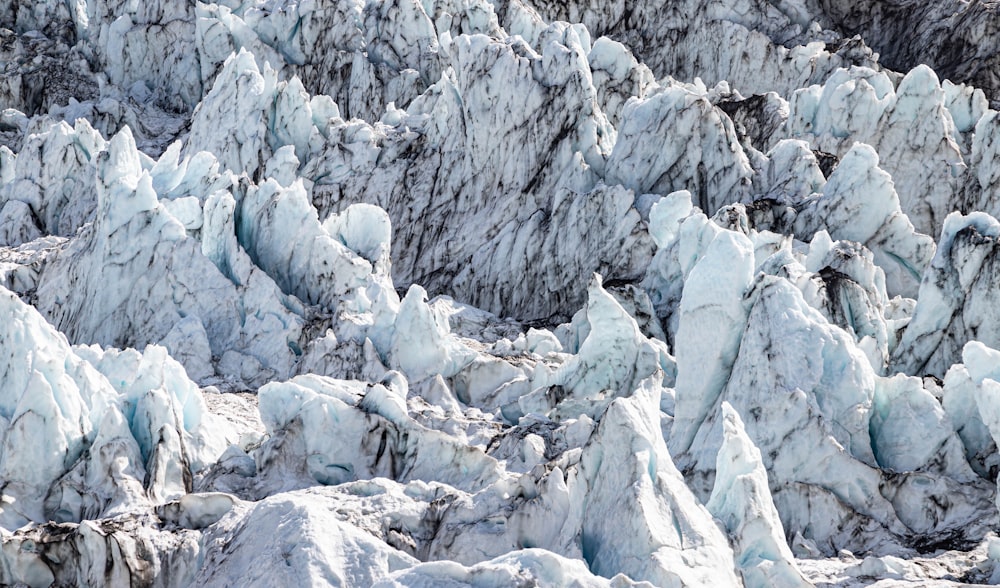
[[493, 293]]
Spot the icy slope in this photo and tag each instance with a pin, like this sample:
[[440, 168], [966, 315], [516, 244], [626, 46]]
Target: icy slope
[[439, 293]]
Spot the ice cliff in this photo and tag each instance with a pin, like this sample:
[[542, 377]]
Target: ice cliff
[[492, 293]]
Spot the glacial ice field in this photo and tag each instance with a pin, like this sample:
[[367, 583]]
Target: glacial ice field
[[494, 293]]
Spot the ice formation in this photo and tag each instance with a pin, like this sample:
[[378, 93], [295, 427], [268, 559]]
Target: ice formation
[[499, 292]]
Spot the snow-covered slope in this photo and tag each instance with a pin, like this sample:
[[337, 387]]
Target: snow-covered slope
[[521, 292]]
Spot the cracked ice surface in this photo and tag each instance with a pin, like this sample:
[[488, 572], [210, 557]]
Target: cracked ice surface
[[492, 293]]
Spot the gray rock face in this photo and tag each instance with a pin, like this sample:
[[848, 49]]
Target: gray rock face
[[954, 38]]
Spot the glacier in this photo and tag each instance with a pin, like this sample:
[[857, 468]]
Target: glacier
[[499, 292]]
